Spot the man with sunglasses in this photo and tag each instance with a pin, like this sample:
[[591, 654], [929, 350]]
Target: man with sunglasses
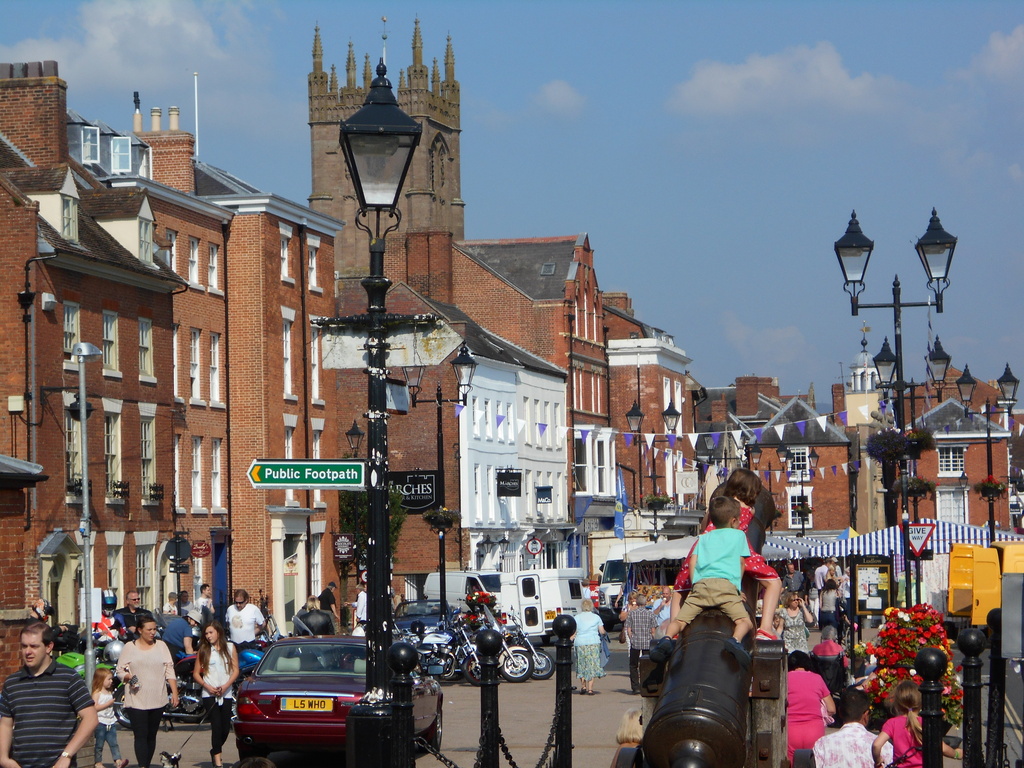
[[244, 620], [131, 614]]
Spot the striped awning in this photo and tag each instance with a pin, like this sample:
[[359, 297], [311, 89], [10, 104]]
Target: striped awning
[[787, 547], [890, 540]]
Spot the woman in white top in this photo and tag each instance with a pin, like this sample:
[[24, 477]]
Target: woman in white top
[[216, 670]]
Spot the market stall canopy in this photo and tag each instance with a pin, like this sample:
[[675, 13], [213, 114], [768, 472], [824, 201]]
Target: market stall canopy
[[670, 549], [890, 540]]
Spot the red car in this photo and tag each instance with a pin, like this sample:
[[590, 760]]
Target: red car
[[300, 694]]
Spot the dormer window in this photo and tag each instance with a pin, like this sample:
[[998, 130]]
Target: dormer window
[[146, 241], [121, 154], [90, 144], [69, 218]]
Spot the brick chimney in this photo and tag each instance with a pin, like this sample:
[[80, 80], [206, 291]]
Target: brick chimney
[[747, 388], [426, 264], [838, 398], [719, 409], [172, 152], [33, 111], [619, 300]]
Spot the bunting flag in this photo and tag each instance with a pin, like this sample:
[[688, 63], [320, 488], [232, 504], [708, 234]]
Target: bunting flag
[[520, 426], [541, 429], [672, 441], [499, 419], [835, 470], [864, 411], [843, 417], [802, 426], [780, 429], [629, 438], [821, 422], [649, 439], [458, 410], [757, 434], [692, 437], [584, 434]]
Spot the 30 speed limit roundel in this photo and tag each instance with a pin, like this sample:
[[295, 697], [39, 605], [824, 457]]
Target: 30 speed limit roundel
[[534, 546]]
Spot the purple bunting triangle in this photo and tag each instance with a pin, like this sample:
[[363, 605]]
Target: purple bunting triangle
[[671, 441], [715, 437], [541, 429], [629, 439], [834, 470], [458, 410], [843, 417], [757, 434], [802, 426], [499, 419], [584, 434]]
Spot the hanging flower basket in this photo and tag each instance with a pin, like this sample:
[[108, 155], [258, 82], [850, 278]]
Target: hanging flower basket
[[887, 445], [918, 487], [990, 488], [656, 501], [920, 440], [441, 518]]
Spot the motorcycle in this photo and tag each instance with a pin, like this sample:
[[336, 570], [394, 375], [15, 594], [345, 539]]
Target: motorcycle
[[543, 664]]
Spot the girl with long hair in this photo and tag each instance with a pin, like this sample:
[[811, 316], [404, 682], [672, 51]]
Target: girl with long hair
[[904, 729], [106, 728], [216, 670]]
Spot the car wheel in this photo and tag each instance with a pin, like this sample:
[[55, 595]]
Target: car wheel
[[543, 666], [435, 738], [516, 665]]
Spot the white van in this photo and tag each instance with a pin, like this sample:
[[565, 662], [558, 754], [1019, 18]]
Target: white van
[[536, 596]]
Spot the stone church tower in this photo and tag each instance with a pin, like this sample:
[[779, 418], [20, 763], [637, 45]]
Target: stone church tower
[[432, 200]]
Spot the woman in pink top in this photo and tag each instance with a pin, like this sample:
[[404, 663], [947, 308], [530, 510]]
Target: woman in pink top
[[904, 729], [146, 668], [807, 699]]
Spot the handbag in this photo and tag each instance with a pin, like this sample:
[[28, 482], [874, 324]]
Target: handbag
[[606, 652]]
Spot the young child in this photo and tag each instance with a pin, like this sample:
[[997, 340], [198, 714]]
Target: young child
[[904, 728], [745, 486], [716, 565], [106, 729]]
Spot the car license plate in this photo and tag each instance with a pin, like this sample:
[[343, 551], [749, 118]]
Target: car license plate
[[307, 705], [549, 615]]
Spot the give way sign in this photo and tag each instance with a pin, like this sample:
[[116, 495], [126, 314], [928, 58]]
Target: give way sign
[[918, 535]]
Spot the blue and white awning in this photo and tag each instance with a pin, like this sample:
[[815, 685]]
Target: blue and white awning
[[890, 540]]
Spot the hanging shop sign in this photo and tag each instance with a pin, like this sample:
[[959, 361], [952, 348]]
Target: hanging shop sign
[[510, 482]]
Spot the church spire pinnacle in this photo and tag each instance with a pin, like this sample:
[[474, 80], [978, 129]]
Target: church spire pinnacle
[[417, 45], [449, 61], [435, 79], [367, 73], [333, 83], [350, 66], [318, 51]]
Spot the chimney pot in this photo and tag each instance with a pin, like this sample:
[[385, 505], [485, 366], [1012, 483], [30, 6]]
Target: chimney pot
[[172, 119], [154, 119]]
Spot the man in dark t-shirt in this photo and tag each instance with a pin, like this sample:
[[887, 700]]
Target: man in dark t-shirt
[[46, 711], [329, 603], [130, 615]]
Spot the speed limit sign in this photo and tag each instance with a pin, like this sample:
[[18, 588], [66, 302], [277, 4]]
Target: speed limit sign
[[534, 546]]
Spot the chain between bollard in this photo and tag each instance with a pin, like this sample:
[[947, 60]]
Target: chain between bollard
[[422, 743], [548, 745]]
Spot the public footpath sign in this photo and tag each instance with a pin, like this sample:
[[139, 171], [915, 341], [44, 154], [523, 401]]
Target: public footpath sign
[[918, 535], [308, 474]]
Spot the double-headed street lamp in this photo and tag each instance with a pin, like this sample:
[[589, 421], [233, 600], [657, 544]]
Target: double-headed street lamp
[[1007, 384], [464, 365], [785, 456], [378, 143], [935, 250], [635, 419]]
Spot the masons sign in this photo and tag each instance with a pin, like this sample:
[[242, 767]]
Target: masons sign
[[307, 474]]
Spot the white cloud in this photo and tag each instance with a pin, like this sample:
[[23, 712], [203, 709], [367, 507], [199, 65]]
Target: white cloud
[[1002, 59], [799, 77], [764, 348], [559, 99]]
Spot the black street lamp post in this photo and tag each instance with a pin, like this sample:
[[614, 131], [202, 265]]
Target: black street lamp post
[[935, 250], [378, 142], [1008, 384], [634, 418], [785, 455], [464, 365]]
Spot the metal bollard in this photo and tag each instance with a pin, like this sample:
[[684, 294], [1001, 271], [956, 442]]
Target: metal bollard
[[564, 627], [402, 658], [931, 664], [971, 643], [488, 643], [994, 745]]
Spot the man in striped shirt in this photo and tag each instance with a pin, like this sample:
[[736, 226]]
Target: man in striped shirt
[[46, 711]]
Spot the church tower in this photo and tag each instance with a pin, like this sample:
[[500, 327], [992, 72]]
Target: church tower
[[432, 197]]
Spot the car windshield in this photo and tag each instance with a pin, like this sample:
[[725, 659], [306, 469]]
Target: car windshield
[[346, 660], [614, 572], [418, 608]]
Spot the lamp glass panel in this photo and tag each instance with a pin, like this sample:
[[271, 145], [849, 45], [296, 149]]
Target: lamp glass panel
[[854, 262], [380, 163]]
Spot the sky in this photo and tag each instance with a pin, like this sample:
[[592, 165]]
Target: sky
[[712, 150]]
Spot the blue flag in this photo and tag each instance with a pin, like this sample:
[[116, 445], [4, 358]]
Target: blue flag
[[621, 505]]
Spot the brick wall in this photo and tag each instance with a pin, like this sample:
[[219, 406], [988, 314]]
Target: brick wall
[[33, 111], [172, 153]]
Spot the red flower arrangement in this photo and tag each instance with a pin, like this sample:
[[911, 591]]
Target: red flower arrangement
[[476, 599], [905, 633]]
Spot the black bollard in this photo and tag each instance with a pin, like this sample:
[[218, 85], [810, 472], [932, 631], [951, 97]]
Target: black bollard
[[488, 643], [971, 643], [701, 718], [402, 658], [564, 627], [994, 745], [931, 664]]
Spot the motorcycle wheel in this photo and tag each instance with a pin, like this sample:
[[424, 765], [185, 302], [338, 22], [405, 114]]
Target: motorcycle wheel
[[119, 713], [543, 665], [471, 671], [516, 665], [450, 671]]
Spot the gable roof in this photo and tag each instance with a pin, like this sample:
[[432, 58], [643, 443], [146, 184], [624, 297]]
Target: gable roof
[[37, 180], [211, 181], [539, 267], [795, 411], [11, 156], [116, 203], [949, 419]]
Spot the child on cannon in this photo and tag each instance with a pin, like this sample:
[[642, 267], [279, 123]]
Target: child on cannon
[[716, 565]]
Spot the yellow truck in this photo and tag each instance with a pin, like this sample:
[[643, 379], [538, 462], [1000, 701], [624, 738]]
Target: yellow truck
[[976, 575]]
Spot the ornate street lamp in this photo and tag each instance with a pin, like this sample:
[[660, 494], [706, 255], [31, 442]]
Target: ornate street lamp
[[378, 142], [635, 418], [354, 437]]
